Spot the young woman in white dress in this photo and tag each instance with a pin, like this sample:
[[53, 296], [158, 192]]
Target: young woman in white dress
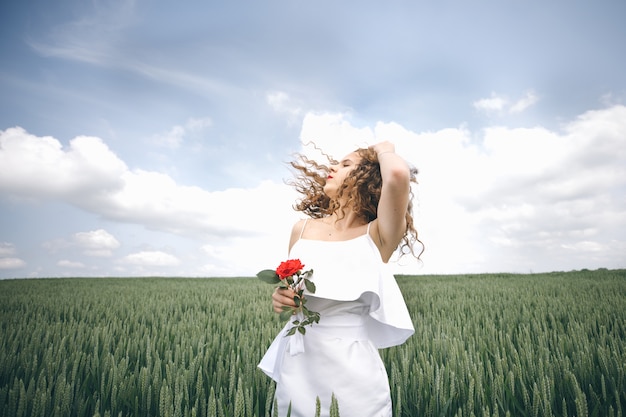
[[359, 213]]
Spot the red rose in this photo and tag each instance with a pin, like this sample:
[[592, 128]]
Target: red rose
[[289, 268]]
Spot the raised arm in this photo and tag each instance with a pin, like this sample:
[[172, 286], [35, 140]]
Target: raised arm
[[390, 225]]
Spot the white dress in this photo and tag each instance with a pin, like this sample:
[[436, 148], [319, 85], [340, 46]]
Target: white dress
[[362, 310]]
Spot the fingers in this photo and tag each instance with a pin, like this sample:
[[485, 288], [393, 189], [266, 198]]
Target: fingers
[[282, 297], [385, 146]]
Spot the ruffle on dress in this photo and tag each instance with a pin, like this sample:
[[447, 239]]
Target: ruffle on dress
[[346, 271]]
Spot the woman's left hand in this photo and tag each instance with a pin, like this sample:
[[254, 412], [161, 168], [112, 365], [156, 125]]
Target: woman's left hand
[[384, 147]]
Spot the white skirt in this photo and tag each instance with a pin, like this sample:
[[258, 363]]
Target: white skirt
[[334, 358]]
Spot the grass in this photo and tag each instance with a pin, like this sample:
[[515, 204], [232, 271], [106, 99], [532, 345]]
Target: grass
[[485, 345]]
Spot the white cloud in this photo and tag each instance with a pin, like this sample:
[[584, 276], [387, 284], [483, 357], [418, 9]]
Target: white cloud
[[197, 124], [498, 199], [7, 249], [499, 104], [97, 242], [151, 258], [493, 103], [39, 167], [70, 264], [12, 263], [171, 139], [175, 137], [89, 176], [236, 218], [7, 258], [282, 103], [512, 199], [525, 102]]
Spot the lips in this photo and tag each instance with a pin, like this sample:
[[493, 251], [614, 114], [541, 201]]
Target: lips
[[329, 177]]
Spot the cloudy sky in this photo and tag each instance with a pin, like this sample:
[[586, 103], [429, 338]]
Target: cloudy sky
[[151, 138]]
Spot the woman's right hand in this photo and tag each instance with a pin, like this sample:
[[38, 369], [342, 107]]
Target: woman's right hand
[[283, 297]]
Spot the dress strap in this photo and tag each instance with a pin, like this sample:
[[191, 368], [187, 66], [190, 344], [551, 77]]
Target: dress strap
[[368, 227], [303, 226]]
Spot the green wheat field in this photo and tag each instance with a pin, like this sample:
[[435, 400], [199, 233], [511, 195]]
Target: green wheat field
[[485, 345]]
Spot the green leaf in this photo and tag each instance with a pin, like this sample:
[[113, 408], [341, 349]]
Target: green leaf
[[268, 275], [286, 313], [302, 330], [296, 300], [310, 286], [291, 331]]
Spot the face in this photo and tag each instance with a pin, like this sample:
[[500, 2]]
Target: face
[[339, 172]]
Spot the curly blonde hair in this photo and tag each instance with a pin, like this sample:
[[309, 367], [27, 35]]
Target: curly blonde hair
[[360, 190]]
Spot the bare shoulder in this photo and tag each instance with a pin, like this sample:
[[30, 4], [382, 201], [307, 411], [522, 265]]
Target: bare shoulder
[[298, 227], [296, 231]]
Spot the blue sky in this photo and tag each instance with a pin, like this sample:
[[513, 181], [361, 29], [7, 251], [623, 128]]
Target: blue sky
[[150, 138]]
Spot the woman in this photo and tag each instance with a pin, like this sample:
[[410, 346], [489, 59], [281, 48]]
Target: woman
[[360, 213]]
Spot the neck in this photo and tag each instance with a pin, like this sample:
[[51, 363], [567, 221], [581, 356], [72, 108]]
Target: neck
[[348, 221]]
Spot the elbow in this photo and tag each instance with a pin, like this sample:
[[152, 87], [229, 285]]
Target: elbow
[[398, 177]]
